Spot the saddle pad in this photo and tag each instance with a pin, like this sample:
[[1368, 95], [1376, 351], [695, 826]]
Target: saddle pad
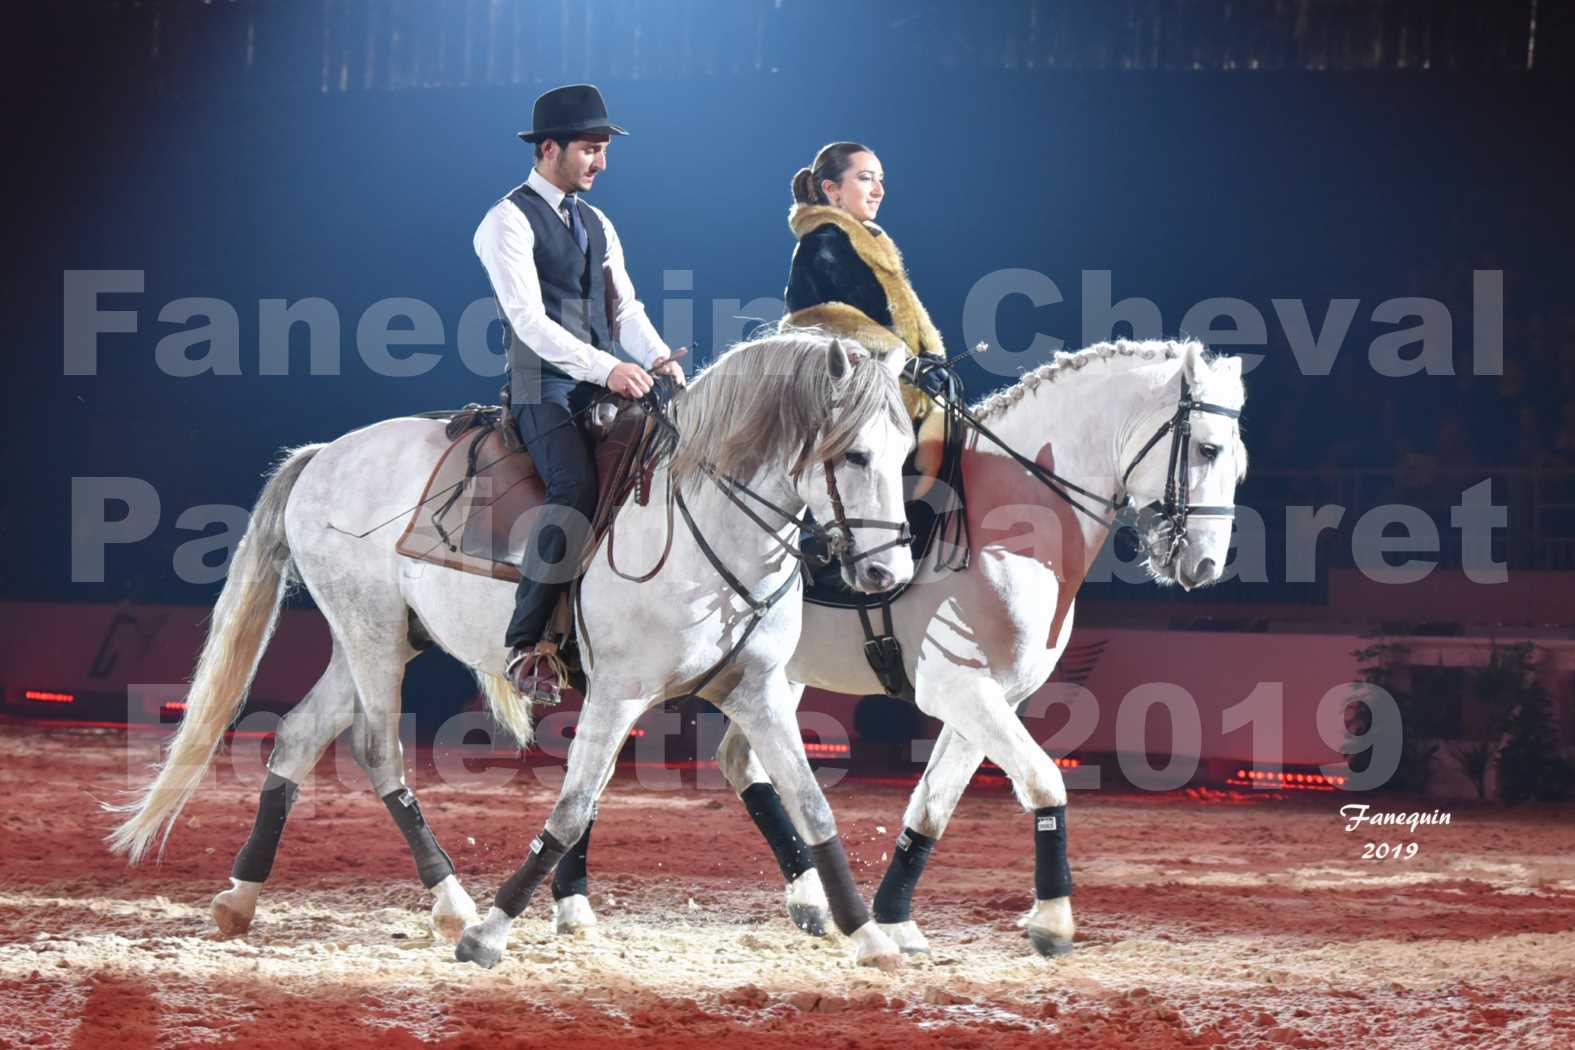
[[473, 511], [470, 525]]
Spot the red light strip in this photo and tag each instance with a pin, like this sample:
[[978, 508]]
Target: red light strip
[[44, 697], [824, 750], [1064, 763], [1280, 779], [574, 727]]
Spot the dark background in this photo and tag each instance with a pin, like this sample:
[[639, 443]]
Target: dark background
[[347, 151]]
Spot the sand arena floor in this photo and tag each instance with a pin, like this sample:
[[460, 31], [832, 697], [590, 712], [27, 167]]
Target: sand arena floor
[[1204, 920]]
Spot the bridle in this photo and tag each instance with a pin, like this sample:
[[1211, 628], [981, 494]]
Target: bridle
[[936, 379], [837, 537], [1175, 511]]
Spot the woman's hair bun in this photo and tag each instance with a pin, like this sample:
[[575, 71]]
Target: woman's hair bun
[[804, 186]]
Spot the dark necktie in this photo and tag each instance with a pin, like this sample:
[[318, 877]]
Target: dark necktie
[[571, 207]]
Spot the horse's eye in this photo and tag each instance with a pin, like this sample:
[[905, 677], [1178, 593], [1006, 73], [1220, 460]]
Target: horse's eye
[[1209, 452], [859, 459]]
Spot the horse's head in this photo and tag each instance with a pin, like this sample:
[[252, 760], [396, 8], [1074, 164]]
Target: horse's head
[[1184, 459], [852, 478], [830, 417]]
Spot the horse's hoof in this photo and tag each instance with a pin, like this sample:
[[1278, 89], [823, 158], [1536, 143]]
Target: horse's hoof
[[573, 915], [807, 905], [1050, 926], [234, 908], [1048, 944], [453, 910], [230, 921], [871, 947], [810, 919], [451, 927], [908, 937], [472, 949]]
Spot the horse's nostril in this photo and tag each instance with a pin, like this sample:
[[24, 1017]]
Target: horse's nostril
[[879, 577], [1205, 570]]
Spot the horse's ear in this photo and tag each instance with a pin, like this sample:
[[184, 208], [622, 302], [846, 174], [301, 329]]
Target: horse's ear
[[838, 362], [1196, 367], [894, 360]]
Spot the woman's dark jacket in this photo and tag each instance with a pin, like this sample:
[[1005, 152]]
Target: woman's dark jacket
[[847, 278]]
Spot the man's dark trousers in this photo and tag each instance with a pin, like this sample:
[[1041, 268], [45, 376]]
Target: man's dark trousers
[[562, 455]]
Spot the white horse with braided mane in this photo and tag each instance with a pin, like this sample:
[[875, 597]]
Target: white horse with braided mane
[[797, 419], [1150, 424]]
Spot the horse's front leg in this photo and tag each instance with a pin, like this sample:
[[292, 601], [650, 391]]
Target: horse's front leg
[[986, 723], [767, 715], [603, 727], [806, 897], [952, 763]]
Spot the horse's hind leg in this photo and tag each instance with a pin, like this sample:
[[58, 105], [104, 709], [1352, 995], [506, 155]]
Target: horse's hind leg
[[766, 714], [571, 904], [378, 654], [598, 737], [977, 708], [302, 738], [806, 897]]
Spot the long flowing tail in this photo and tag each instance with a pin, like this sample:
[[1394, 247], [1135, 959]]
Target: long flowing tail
[[508, 706], [242, 622]]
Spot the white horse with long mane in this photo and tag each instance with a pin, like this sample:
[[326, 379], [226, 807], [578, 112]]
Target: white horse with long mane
[[798, 419], [977, 642]]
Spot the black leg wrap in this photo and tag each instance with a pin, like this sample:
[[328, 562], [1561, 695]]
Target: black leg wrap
[[570, 877], [255, 860], [847, 907], [895, 895], [765, 809], [1052, 874], [514, 895], [433, 865]]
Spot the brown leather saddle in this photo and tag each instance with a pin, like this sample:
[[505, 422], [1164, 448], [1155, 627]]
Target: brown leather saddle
[[473, 514]]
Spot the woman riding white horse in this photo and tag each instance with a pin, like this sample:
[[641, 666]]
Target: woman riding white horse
[[1147, 424], [795, 421]]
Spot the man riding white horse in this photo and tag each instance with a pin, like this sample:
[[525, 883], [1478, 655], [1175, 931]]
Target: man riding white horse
[[554, 261]]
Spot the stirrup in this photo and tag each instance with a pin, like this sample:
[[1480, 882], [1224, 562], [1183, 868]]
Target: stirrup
[[544, 681]]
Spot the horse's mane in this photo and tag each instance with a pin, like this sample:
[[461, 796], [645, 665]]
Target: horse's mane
[[1132, 351], [765, 400]]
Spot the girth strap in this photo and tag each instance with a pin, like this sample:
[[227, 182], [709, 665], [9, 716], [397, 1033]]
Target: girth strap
[[884, 654]]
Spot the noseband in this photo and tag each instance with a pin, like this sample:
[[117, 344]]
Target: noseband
[[838, 538]]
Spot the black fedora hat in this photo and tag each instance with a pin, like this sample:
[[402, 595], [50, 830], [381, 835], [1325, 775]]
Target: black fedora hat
[[574, 109]]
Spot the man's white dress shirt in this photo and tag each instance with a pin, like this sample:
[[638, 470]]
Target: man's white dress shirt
[[505, 244]]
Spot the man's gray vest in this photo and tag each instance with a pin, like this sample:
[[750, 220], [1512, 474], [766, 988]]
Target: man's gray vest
[[573, 289]]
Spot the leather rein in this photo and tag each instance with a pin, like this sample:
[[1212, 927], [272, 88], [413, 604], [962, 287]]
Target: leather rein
[[936, 379], [837, 537]]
